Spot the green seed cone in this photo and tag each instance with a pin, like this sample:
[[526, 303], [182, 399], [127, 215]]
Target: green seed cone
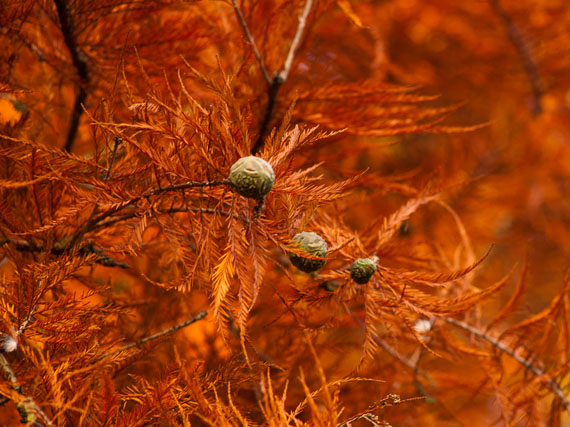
[[252, 177], [362, 269], [313, 245]]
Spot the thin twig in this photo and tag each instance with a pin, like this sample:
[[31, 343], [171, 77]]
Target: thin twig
[[160, 334], [89, 248], [94, 223], [128, 216], [271, 100], [189, 184], [281, 77], [284, 73], [9, 342], [245, 28], [118, 141], [94, 220], [154, 192], [371, 418], [79, 60], [27, 320], [389, 400], [554, 386], [131, 215], [388, 348], [394, 353], [529, 65], [103, 258]]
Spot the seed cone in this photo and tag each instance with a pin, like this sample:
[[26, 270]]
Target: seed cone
[[314, 246], [362, 269], [252, 177]]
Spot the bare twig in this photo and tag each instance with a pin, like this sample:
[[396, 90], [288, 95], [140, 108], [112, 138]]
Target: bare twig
[[118, 141], [160, 334], [245, 28], [371, 418], [554, 386], [24, 245], [387, 347], [153, 192], [27, 320], [94, 220], [103, 258], [9, 342], [389, 400], [79, 60], [271, 100], [89, 248], [275, 83], [284, 73], [128, 216], [281, 76], [66, 244], [518, 42], [189, 184]]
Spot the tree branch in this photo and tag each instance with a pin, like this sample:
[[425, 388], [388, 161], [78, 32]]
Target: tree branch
[[281, 77], [245, 28], [116, 144], [388, 348], [89, 248], [189, 184], [529, 65], [103, 258], [160, 334], [271, 100], [554, 386], [284, 73], [79, 60], [65, 244], [389, 400], [94, 220], [154, 192], [210, 211]]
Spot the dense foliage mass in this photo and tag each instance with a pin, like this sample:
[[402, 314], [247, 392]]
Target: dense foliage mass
[[391, 249]]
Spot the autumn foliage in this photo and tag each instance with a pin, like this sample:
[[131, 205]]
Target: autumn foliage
[[139, 287]]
